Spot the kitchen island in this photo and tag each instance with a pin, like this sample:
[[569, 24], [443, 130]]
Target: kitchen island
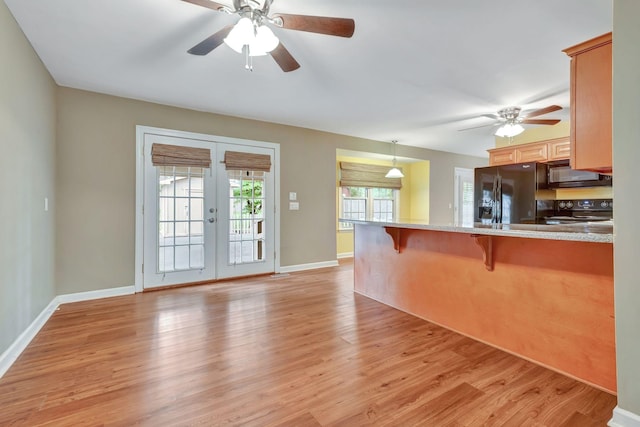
[[542, 292]]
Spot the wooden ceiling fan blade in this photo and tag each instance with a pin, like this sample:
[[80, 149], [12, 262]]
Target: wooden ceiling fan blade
[[211, 42], [284, 59], [208, 4], [541, 121], [545, 110], [342, 27]]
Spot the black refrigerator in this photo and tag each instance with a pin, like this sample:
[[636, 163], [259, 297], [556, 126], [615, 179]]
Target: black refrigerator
[[507, 194]]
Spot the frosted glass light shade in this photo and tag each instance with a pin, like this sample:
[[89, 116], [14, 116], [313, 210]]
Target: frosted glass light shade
[[240, 35], [264, 41], [394, 173], [509, 130], [260, 41]]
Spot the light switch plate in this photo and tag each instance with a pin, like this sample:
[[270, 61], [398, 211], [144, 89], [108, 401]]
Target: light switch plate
[[293, 195], [294, 206]]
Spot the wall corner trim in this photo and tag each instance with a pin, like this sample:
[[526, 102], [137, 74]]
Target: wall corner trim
[[624, 418], [310, 266], [13, 352]]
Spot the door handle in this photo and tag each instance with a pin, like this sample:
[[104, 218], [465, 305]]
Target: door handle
[[211, 220]]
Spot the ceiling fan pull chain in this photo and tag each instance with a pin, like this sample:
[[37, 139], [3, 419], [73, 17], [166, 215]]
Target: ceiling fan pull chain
[[248, 59]]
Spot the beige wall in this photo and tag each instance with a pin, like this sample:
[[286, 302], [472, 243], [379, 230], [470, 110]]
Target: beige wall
[[27, 132], [626, 154], [96, 182]]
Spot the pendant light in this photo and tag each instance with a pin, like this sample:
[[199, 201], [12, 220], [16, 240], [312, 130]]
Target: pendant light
[[394, 172]]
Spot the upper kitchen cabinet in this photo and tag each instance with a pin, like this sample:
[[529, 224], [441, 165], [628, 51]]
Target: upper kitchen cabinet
[[541, 151], [591, 110]]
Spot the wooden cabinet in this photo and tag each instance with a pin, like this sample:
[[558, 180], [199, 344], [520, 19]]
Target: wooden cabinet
[[532, 153], [541, 151], [559, 149], [502, 156], [591, 104]]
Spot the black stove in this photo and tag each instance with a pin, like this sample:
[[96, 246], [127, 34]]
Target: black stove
[[582, 210]]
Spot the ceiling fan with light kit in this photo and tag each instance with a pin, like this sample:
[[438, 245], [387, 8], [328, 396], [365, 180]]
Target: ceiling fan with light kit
[[252, 36], [510, 120]]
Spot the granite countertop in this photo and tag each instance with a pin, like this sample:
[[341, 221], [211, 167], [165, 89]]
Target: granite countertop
[[595, 232]]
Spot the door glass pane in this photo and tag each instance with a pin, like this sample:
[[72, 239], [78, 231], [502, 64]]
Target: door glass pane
[[165, 258], [246, 217], [196, 256], [196, 209], [182, 257], [180, 218]]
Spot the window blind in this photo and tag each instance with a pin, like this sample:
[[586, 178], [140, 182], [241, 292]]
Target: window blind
[[235, 160], [174, 155], [362, 175]]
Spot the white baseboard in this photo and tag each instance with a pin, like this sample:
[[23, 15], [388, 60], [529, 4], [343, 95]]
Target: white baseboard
[[345, 255], [91, 295], [624, 418], [13, 352], [311, 266]]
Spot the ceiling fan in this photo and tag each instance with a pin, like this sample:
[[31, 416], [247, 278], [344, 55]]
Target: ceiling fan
[[510, 120], [252, 36]]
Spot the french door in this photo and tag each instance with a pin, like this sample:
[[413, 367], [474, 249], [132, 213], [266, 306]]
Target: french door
[[245, 218], [201, 224]]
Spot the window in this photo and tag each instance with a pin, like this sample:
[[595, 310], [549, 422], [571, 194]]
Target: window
[[463, 197], [378, 204]]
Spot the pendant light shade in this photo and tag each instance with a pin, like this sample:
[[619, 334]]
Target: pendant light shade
[[509, 130], [260, 39], [394, 172]]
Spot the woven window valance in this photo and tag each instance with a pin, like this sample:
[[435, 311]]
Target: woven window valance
[[174, 155], [362, 175], [235, 160]]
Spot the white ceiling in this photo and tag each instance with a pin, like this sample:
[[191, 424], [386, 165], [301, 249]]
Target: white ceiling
[[415, 70]]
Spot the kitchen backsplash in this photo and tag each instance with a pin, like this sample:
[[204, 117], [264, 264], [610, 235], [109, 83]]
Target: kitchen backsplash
[[575, 193]]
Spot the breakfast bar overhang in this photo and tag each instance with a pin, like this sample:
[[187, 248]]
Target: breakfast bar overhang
[[544, 293]]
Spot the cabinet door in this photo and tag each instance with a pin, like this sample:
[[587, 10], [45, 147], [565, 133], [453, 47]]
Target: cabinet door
[[531, 153], [502, 156], [559, 150], [591, 109]]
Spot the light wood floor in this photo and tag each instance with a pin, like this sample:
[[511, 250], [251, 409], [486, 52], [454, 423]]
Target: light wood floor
[[296, 350]]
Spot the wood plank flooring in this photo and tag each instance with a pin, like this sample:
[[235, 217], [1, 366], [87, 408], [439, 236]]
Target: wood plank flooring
[[293, 350]]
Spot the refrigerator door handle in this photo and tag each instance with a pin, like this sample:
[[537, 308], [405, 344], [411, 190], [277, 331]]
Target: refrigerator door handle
[[499, 199], [494, 199]]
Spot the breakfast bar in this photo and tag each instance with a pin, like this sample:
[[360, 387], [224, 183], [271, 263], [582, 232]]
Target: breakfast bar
[[542, 292]]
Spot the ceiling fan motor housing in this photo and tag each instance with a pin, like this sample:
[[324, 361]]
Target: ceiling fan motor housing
[[510, 114]]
